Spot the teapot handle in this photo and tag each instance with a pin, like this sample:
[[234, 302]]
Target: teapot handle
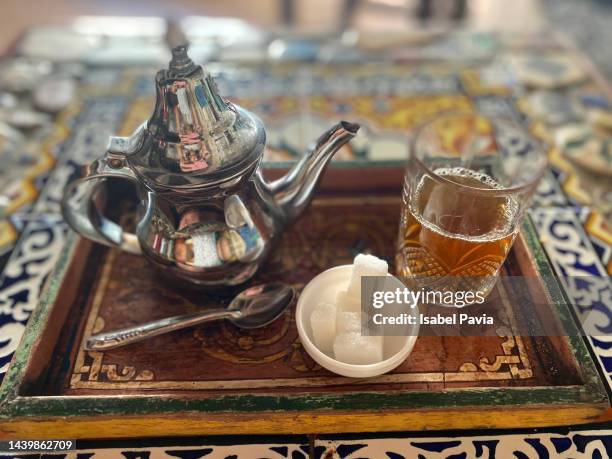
[[84, 217]]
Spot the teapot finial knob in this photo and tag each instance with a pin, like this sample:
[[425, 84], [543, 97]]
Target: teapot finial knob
[[181, 64]]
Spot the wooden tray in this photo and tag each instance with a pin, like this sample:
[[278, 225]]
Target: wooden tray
[[216, 379]]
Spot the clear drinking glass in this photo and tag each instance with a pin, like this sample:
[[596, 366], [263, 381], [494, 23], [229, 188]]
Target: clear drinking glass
[[467, 186]]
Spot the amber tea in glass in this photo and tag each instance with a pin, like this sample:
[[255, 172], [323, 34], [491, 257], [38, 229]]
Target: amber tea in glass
[[468, 182]]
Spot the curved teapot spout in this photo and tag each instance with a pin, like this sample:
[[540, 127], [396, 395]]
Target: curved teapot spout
[[294, 191]]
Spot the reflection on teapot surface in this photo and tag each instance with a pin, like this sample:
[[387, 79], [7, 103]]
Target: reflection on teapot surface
[[201, 239], [206, 213]]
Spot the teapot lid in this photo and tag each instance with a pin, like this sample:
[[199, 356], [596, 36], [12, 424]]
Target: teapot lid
[[195, 137]]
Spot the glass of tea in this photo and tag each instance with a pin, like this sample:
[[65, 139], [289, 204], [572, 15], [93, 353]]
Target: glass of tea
[[467, 186]]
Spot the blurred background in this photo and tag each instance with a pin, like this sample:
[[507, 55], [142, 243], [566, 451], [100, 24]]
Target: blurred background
[[587, 21]]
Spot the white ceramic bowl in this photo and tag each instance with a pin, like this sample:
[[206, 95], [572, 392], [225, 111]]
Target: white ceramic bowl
[[324, 287]]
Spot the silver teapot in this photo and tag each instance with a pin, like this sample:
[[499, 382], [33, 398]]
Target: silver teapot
[[206, 214]]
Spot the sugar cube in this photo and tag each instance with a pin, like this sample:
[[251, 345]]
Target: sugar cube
[[345, 302], [358, 350], [365, 265], [348, 322], [323, 323]]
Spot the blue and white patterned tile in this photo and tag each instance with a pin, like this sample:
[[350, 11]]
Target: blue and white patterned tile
[[574, 445], [205, 450], [548, 193], [577, 261], [570, 445], [581, 273], [597, 230], [43, 235]]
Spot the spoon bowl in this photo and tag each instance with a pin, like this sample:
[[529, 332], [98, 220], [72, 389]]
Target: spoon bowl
[[260, 305]]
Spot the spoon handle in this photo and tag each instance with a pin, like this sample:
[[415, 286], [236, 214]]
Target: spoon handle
[[119, 338]]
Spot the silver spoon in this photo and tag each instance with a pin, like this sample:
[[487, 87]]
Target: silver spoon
[[252, 308]]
